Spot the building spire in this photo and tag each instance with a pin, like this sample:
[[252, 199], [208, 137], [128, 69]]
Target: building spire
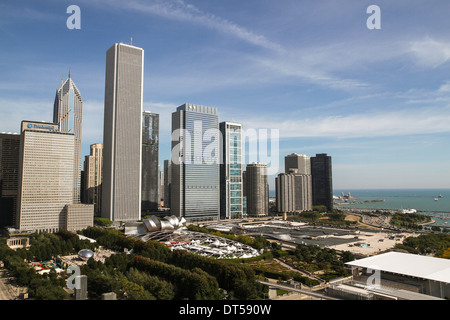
[[69, 72]]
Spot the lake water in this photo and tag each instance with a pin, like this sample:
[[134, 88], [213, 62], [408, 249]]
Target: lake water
[[423, 200]]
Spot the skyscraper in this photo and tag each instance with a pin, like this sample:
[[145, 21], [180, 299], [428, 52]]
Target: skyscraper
[[45, 177], [231, 202], [150, 168], [167, 181], [300, 162], [122, 133], [93, 177], [195, 159], [294, 187], [9, 177], [293, 192], [257, 190], [322, 183], [67, 113]]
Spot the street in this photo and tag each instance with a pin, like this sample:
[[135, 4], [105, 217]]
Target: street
[[5, 288]]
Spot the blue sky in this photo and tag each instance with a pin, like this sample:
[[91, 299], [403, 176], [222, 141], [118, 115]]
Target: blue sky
[[377, 101]]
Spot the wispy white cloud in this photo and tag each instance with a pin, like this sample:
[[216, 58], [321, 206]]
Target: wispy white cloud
[[314, 64], [180, 10], [425, 120], [430, 53]]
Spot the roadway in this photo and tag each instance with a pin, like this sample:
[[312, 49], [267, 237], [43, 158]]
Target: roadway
[[5, 290], [306, 292]]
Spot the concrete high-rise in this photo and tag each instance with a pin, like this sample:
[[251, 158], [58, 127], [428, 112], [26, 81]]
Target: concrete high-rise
[[45, 177], [67, 113], [150, 168], [293, 192], [294, 187], [9, 177], [322, 182], [231, 191], [300, 162], [122, 133], [93, 177], [194, 188], [257, 190]]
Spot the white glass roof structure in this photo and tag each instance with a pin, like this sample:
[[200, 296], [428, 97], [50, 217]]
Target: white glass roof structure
[[413, 265]]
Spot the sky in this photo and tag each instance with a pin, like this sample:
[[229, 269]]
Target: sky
[[312, 73]]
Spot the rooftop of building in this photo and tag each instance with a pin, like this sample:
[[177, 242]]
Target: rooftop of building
[[413, 265]]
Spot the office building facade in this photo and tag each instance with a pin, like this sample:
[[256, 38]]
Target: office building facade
[[257, 190], [231, 191], [93, 177], [45, 177], [322, 182], [9, 177], [150, 167], [122, 133], [79, 216], [167, 181], [67, 113], [195, 185]]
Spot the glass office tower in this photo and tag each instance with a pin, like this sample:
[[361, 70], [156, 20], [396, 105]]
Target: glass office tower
[[195, 163], [322, 180], [231, 204], [67, 113]]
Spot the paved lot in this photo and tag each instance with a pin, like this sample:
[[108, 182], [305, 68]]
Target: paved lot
[[364, 242]]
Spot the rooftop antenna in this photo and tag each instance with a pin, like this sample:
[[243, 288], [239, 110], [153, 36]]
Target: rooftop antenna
[[131, 40]]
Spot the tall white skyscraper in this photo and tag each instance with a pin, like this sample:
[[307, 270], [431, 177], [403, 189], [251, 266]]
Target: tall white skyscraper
[[67, 113], [122, 133]]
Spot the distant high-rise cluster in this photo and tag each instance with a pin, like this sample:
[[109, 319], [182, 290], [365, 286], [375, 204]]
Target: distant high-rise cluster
[[305, 183], [43, 186]]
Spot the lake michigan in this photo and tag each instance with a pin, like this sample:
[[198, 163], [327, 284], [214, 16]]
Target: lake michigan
[[435, 202]]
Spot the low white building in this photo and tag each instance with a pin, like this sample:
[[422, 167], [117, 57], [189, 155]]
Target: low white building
[[417, 273]]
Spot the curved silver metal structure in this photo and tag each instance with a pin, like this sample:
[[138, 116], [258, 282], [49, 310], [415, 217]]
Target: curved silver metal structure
[[85, 254]]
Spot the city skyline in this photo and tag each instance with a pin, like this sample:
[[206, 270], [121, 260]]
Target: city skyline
[[374, 100]]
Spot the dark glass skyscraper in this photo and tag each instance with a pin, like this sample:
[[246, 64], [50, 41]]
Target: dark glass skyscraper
[[150, 171], [194, 187], [322, 184], [9, 177]]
